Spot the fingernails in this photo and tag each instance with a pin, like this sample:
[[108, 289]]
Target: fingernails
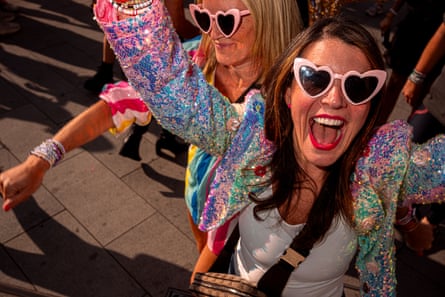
[[6, 207]]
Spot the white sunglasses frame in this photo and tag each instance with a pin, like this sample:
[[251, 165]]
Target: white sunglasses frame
[[379, 74], [235, 12]]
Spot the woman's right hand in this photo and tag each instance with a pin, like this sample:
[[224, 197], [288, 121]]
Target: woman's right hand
[[18, 183]]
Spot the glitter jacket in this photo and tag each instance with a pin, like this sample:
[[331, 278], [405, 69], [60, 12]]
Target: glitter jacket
[[392, 172]]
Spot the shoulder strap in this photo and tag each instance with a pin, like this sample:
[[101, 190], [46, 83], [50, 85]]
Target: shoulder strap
[[275, 278], [223, 260]]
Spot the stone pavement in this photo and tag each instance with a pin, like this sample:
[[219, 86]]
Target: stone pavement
[[101, 224]]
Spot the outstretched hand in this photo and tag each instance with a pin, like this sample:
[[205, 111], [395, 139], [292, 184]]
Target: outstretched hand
[[20, 182]]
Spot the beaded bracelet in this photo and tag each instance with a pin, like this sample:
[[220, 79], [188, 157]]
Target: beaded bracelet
[[417, 77], [133, 7], [50, 150], [129, 3]]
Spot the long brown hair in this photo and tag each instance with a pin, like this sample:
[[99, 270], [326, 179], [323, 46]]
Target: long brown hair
[[335, 197]]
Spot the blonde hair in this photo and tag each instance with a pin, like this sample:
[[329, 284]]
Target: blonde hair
[[276, 24]]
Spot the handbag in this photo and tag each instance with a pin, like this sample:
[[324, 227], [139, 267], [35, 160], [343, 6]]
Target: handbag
[[223, 285], [272, 283]]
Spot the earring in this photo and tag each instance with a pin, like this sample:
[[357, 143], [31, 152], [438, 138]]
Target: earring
[[288, 105]]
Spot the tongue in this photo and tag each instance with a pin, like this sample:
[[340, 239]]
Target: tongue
[[324, 134]]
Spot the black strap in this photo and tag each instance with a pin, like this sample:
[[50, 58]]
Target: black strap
[[223, 260], [274, 279]]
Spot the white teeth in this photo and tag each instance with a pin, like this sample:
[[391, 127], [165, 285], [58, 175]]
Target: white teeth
[[328, 122]]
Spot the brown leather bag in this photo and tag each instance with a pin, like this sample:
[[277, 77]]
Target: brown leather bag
[[223, 285], [272, 283]]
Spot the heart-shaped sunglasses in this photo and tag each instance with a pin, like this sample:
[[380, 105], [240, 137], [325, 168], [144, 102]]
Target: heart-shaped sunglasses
[[226, 21], [358, 88]]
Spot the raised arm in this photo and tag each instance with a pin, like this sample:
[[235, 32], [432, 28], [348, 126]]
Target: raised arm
[[21, 181], [173, 87], [431, 55], [394, 172]]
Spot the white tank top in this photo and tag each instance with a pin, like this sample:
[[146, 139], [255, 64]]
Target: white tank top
[[263, 242]]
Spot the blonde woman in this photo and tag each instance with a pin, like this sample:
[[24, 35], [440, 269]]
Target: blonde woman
[[235, 56]]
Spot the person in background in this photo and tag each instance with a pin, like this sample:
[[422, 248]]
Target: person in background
[[376, 9], [428, 119], [236, 56], [306, 149], [410, 37], [318, 9]]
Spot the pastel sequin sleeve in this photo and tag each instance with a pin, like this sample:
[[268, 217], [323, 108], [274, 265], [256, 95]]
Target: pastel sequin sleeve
[[126, 106], [243, 169], [425, 178], [392, 170], [375, 186], [160, 70]]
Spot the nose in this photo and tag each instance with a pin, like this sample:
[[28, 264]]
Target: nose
[[214, 31], [334, 97]]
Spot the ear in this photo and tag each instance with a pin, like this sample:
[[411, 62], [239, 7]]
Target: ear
[[288, 97]]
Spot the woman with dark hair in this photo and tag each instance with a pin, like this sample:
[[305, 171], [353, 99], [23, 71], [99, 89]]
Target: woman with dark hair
[[306, 150]]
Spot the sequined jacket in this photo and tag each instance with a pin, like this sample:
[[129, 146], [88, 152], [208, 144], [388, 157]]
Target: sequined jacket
[[393, 171]]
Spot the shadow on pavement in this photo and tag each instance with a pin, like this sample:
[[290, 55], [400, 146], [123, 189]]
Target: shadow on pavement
[[68, 265]]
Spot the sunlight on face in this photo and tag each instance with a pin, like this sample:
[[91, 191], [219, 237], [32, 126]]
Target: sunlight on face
[[325, 126], [237, 49]]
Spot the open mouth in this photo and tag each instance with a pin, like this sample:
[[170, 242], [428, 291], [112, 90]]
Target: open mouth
[[325, 133]]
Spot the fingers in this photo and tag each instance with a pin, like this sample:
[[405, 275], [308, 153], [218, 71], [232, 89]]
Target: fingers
[[5, 193], [11, 200], [7, 205], [12, 192], [409, 97], [407, 94], [408, 100]]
